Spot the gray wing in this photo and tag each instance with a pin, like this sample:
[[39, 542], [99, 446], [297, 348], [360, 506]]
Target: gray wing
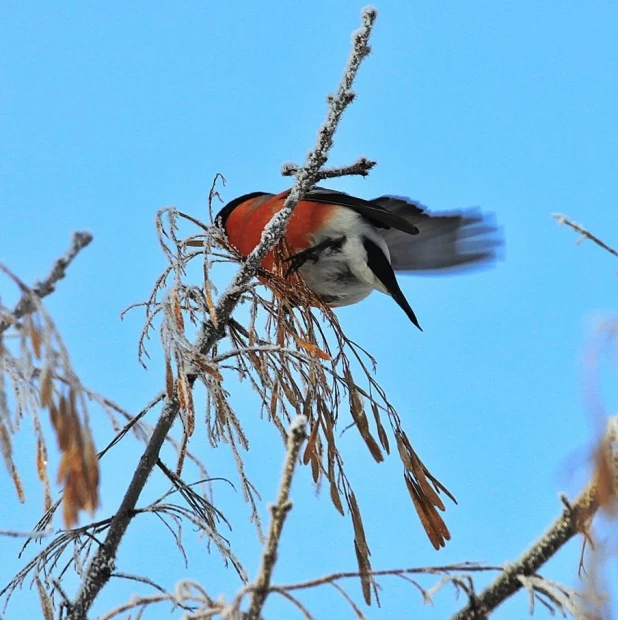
[[369, 209], [446, 241]]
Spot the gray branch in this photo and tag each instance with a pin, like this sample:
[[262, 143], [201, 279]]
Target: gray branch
[[575, 519], [296, 437], [103, 563], [48, 285], [586, 234], [360, 167]]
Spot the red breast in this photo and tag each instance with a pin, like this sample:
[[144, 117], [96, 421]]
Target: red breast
[[245, 223]]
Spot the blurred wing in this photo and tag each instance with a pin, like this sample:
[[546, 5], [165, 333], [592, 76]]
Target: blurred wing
[[446, 241], [369, 209]]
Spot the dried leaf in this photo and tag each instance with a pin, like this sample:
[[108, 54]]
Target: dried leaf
[[605, 478], [41, 464], [376, 453], [79, 469], [403, 452], [289, 394], [364, 569], [427, 489], [46, 387], [181, 396], [312, 349], [79, 473], [177, 310], [360, 418], [35, 336], [169, 377], [311, 443], [41, 459], [315, 467], [185, 400], [5, 443], [381, 432], [210, 304], [182, 453], [92, 474], [196, 242], [327, 425], [357, 522], [70, 501], [62, 425], [431, 521], [336, 498], [208, 368], [274, 399], [256, 362], [46, 603]]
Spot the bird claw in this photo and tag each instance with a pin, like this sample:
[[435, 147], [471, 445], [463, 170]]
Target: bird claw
[[312, 254], [298, 260]]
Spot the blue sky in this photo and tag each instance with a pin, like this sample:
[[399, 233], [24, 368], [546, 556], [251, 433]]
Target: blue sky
[[110, 112]]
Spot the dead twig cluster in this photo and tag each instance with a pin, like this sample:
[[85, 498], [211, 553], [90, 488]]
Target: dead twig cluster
[[36, 373], [185, 360], [310, 380]]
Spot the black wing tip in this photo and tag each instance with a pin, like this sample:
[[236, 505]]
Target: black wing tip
[[383, 271], [405, 306]]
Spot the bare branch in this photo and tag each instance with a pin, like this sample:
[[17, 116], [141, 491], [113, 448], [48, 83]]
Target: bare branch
[[360, 167], [36, 371], [305, 179], [296, 437], [563, 219], [575, 518], [102, 565], [465, 567], [43, 288]]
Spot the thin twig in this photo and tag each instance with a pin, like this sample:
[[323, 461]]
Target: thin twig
[[466, 567], [360, 167], [48, 285], [563, 219], [283, 505]]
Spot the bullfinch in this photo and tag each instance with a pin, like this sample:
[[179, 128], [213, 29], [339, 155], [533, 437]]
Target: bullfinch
[[345, 247]]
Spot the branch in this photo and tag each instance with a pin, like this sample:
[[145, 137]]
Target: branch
[[296, 437], [43, 288], [102, 565], [563, 219], [575, 518], [305, 179], [360, 167], [465, 567]]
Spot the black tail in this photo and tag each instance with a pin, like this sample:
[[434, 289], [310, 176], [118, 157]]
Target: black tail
[[381, 268], [446, 241]]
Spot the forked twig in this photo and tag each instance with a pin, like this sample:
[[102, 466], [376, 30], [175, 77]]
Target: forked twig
[[360, 167], [279, 511], [48, 285], [564, 220]]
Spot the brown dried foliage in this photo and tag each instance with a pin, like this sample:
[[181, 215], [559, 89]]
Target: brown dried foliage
[[298, 360], [35, 373]]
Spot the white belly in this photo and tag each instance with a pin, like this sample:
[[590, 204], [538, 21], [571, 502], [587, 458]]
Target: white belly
[[341, 276]]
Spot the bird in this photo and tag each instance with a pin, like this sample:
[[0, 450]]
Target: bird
[[345, 247]]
